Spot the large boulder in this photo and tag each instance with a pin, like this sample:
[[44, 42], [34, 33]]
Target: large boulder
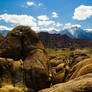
[[80, 84], [11, 46], [62, 72], [59, 73], [23, 43], [76, 58], [65, 63], [36, 72], [81, 68], [11, 72]]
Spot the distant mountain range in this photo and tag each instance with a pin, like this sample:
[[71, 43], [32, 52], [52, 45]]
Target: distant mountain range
[[68, 38], [63, 41], [74, 32]]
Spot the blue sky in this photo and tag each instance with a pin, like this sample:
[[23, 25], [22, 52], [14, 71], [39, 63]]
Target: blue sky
[[47, 15]]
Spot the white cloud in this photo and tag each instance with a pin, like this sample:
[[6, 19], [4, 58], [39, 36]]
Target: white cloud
[[4, 28], [54, 15], [49, 29], [76, 25], [30, 3], [41, 23], [49, 23], [19, 19], [40, 4], [69, 25], [43, 17], [46, 23], [58, 24], [88, 30], [37, 29], [82, 12]]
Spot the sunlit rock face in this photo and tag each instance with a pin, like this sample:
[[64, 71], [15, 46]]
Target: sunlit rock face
[[80, 84]]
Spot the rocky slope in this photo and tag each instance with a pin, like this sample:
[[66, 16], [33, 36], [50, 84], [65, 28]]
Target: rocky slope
[[71, 72]]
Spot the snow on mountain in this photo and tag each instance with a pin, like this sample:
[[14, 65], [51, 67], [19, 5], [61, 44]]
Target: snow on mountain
[[73, 32], [77, 32]]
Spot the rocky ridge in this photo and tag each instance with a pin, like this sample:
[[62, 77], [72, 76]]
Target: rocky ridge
[[63, 41]]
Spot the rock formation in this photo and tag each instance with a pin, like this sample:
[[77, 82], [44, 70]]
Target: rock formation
[[24, 65], [81, 68], [61, 72], [80, 84], [11, 72], [23, 43]]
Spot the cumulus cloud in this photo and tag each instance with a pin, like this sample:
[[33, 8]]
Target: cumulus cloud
[[69, 25], [82, 12], [76, 25], [49, 29], [4, 28], [39, 23], [19, 19], [36, 28], [46, 23], [43, 17], [88, 30], [54, 15], [58, 24], [30, 3]]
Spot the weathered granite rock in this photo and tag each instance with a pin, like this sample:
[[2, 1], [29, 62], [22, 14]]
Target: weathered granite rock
[[11, 72], [80, 84], [23, 43], [81, 68], [60, 73]]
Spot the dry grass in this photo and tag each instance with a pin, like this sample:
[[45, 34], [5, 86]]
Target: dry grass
[[11, 88], [67, 51]]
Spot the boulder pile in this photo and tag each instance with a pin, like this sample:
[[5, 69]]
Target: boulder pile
[[24, 66]]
